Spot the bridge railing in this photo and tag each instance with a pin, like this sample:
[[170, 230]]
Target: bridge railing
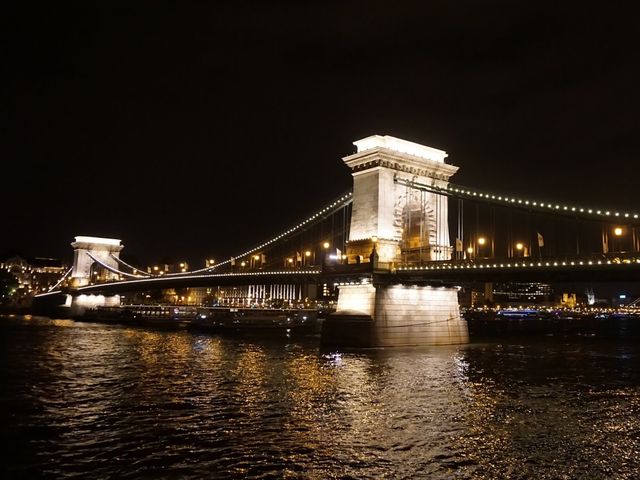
[[612, 257], [523, 262]]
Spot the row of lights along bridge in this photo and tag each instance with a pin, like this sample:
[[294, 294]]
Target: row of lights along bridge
[[482, 249]]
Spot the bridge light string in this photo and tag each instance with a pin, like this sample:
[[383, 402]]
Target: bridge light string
[[60, 281], [549, 207], [111, 269], [540, 264], [341, 202]]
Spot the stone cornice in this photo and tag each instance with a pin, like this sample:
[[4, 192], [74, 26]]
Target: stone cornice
[[93, 247], [383, 157]]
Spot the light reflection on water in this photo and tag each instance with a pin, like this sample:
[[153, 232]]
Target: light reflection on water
[[108, 401]]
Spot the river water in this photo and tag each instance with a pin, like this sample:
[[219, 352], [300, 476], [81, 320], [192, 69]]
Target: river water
[[86, 400]]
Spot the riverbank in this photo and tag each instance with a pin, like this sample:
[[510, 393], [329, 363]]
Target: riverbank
[[559, 323]]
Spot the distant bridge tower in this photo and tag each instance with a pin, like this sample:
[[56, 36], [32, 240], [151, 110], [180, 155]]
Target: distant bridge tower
[[102, 249], [401, 224]]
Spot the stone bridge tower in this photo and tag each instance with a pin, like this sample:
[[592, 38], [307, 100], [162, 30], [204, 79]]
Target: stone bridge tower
[[408, 225], [403, 224], [102, 249]]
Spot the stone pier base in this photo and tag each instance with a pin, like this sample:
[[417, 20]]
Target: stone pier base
[[395, 316], [79, 304]]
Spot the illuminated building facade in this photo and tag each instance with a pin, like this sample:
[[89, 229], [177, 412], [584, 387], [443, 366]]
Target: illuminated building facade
[[522, 292], [33, 276]]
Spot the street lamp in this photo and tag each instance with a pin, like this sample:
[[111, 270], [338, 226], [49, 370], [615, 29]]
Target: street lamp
[[481, 242], [618, 232], [325, 246], [521, 249]]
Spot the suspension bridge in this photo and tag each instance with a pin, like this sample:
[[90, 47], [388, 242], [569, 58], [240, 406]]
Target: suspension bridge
[[397, 246]]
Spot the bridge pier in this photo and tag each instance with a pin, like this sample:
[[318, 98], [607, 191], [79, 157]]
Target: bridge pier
[[395, 224], [395, 316], [79, 304]]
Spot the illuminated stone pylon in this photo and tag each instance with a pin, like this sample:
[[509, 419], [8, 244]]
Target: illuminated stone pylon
[[102, 249], [402, 224], [408, 224]]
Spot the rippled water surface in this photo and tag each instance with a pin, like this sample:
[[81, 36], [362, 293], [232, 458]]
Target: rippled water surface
[[100, 401]]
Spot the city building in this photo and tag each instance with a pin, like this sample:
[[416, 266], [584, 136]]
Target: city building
[[32, 276], [522, 293]]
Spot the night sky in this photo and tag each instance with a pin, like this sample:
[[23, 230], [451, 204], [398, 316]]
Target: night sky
[[197, 131]]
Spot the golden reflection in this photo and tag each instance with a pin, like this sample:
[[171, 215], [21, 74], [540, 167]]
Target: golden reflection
[[308, 381], [63, 323], [252, 374]]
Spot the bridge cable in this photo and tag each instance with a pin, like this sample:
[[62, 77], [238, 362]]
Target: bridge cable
[[554, 209], [119, 260], [114, 270], [319, 216], [60, 281]]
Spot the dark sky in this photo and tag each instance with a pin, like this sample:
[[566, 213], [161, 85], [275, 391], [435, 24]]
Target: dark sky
[[197, 130]]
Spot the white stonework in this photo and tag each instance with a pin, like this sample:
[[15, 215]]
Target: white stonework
[[405, 315], [411, 315], [102, 249], [358, 299], [402, 224], [81, 303], [415, 222]]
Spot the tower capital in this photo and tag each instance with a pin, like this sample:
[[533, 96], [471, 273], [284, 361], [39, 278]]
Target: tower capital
[[413, 159]]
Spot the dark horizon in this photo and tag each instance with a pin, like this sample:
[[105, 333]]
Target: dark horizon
[[191, 132]]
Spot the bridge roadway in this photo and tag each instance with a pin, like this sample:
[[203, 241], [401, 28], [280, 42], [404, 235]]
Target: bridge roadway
[[434, 273]]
